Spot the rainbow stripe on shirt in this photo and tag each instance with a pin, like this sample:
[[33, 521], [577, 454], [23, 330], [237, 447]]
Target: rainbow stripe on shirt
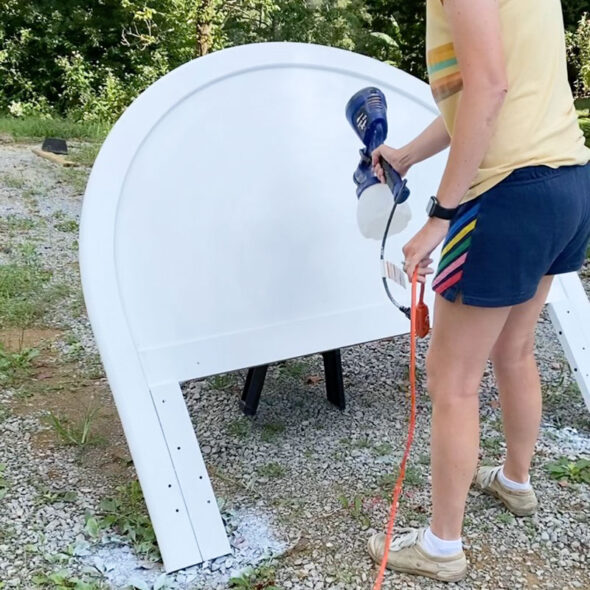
[[443, 72]]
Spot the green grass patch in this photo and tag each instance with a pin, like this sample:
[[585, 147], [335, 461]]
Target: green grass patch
[[505, 518], [13, 223], [28, 128], [222, 382], [23, 286], [79, 433], [271, 431], [68, 226], [293, 369], [64, 580], [85, 154], [356, 506], [261, 578], [240, 428], [48, 496], [126, 515], [272, 470], [573, 471], [77, 178], [10, 180], [15, 366]]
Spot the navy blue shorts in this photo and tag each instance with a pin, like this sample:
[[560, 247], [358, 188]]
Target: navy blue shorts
[[535, 222]]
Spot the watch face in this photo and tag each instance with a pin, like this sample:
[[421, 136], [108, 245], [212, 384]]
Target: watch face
[[430, 206]]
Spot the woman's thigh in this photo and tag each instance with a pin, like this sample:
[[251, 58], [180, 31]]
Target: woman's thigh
[[517, 339], [462, 339]]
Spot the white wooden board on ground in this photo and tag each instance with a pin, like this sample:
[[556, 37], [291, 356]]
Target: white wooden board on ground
[[219, 232]]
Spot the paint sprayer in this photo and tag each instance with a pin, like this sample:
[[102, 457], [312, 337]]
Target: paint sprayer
[[366, 112], [382, 208]]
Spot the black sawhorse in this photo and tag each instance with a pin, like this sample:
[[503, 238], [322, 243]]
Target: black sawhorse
[[334, 383]]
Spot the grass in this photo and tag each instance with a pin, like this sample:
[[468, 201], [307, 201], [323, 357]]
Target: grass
[[74, 434], [126, 515], [37, 128], [222, 382], [505, 518], [67, 226], [293, 369], [77, 178], [240, 428], [573, 471], [25, 289], [272, 470], [356, 507], [10, 180], [64, 580], [261, 578], [15, 366], [12, 223], [557, 404], [413, 478], [48, 496], [86, 154], [271, 430]]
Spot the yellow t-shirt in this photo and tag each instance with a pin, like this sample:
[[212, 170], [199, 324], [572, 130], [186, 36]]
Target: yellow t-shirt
[[537, 124]]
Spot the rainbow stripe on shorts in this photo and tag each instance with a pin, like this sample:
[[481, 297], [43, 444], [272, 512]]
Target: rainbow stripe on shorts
[[456, 247]]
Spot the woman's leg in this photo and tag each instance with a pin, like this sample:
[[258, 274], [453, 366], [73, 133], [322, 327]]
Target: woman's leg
[[518, 382], [462, 338]]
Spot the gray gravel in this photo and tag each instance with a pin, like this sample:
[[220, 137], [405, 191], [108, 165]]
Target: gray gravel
[[303, 481]]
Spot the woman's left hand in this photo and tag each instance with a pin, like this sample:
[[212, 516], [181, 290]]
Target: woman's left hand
[[420, 247]]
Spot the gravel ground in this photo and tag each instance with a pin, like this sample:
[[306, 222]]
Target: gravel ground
[[302, 482]]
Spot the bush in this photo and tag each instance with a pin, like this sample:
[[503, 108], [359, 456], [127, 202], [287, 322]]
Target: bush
[[578, 50]]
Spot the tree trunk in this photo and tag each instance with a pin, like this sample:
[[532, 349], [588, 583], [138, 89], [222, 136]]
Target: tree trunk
[[204, 27]]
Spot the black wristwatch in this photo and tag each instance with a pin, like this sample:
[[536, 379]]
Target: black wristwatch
[[435, 210]]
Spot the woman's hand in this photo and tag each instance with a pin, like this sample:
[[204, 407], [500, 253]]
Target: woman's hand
[[417, 251], [396, 158]]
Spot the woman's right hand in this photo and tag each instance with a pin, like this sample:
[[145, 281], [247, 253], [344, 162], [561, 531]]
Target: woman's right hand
[[392, 156]]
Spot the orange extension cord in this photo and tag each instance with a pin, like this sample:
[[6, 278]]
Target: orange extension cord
[[419, 326]]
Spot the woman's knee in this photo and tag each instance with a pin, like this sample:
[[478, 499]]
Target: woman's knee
[[512, 352], [449, 382]]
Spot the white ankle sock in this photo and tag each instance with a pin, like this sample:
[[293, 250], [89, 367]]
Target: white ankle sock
[[440, 547], [513, 485]]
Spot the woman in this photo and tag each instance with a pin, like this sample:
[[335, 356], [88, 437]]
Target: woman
[[514, 206]]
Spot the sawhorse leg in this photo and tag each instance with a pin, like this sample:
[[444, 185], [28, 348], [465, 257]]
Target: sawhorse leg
[[253, 389], [334, 383]]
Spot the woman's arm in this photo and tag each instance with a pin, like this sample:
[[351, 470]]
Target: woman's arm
[[477, 36], [476, 30], [432, 140]]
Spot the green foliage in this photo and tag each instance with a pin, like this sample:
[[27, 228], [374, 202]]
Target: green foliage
[[574, 471], [15, 365], [23, 289], [67, 226], [63, 580], [126, 515], [89, 60], [271, 430], [37, 128], [75, 434], [356, 507], [578, 50], [261, 578], [272, 470]]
